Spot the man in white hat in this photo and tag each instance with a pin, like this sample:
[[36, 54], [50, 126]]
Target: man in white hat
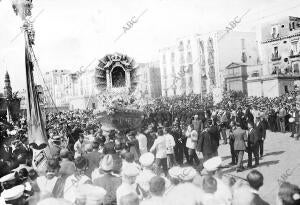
[[174, 177], [211, 167], [144, 177], [128, 185], [14, 196], [108, 181], [91, 194]]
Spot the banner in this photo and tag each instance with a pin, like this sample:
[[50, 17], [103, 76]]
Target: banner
[[36, 129]]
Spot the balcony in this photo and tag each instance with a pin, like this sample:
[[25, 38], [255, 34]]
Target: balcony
[[275, 57], [294, 54]]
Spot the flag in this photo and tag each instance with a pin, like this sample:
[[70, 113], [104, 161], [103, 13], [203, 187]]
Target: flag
[[36, 130], [8, 115]]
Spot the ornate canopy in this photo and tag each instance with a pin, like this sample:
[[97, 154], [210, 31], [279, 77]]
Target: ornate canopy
[[116, 71]]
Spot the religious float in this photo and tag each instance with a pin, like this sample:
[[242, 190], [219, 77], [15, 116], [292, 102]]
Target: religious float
[[116, 79]]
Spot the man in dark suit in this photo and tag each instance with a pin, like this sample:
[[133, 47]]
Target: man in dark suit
[[239, 136], [261, 132], [206, 145], [256, 180], [231, 143], [253, 146], [214, 135]]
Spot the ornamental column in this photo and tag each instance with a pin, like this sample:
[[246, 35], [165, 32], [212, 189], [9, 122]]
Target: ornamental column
[[108, 80], [127, 77]]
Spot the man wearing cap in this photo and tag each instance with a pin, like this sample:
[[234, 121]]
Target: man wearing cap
[[261, 133], [253, 146], [108, 181], [144, 177], [79, 147], [212, 167], [14, 196], [142, 139], [196, 123], [206, 145], [128, 182], [160, 147], [240, 137], [214, 134], [54, 145]]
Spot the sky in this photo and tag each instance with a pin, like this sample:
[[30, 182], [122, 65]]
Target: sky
[[71, 34]]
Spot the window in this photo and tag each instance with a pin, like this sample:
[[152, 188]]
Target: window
[[286, 90], [294, 47], [181, 48], [274, 32], [296, 68], [188, 45], [164, 59], [172, 57], [165, 71], [189, 57], [275, 52]]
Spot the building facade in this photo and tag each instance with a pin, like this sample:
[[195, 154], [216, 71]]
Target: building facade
[[280, 57], [197, 64], [57, 88], [149, 79]]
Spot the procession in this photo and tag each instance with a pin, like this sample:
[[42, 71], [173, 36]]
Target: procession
[[218, 130]]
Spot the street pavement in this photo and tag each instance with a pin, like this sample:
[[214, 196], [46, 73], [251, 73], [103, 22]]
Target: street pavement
[[281, 161]]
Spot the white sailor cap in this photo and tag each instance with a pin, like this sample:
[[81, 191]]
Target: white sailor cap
[[187, 173], [147, 159], [130, 171], [8, 177], [92, 194], [175, 172], [212, 164], [13, 193]]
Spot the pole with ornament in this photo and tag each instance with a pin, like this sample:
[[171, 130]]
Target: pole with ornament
[[35, 124]]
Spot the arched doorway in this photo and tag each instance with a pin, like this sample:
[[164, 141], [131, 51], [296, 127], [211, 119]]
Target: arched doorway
[[118, 77]]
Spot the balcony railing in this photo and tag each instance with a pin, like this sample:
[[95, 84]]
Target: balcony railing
[[275, 57], [294, 54]]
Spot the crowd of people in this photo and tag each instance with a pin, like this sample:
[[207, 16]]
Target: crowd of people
[[172, 159]]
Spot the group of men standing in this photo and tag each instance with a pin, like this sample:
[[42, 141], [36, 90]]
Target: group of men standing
[[250, 141]]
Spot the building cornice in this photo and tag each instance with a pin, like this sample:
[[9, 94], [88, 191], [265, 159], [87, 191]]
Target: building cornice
[[281, 38]]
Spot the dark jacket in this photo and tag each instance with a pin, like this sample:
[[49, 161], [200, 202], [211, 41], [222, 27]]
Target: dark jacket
[[110, 183], [260, 130], [214, 134], [205, 143], [240, 137], [94, 158], [258, 200], [253, 137]]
